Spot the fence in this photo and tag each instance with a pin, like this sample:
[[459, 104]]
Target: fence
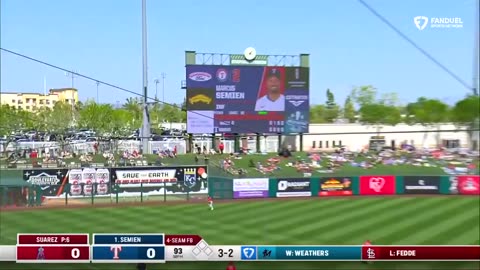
[[266, 144], [124, 190], [375, 185], [100, 194]]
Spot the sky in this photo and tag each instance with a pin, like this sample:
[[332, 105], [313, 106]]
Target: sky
[[348, 45]]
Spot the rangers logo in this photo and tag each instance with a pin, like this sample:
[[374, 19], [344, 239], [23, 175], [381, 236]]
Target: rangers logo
[[236, 75], [222, 75], [296, 103], [189, 177]]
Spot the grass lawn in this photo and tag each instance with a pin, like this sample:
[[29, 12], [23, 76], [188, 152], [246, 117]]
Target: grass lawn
[[340, 221]]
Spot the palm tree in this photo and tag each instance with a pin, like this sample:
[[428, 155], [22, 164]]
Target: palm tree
[[133, 106]]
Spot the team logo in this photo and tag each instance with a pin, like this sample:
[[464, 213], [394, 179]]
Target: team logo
[[200, 76], [222, 75], [43, 179], [236, 75], [296, 103], [189, 178], [116, 252], [200, 98], [420, 22], [377, 184], [249, 253], [40, 253]]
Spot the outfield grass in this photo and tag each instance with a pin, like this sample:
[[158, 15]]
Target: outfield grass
[[340, 221]]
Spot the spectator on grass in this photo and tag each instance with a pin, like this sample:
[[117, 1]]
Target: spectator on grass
[[221, 147]]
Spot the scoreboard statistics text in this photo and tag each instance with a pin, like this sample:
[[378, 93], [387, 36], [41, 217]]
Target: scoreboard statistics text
[[161, 248], [246, 99]]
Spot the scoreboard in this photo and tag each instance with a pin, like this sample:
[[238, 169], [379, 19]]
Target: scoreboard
[[161, 248]]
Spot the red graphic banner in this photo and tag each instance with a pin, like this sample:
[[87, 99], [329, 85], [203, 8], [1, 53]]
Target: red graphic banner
[[53, 253], [52, 239], [378, 185], [468, 184], [421, 253]]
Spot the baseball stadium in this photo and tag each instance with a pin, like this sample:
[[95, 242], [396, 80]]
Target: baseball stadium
[[245, 166]]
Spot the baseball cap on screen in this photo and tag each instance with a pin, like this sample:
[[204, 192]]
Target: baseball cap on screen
[[274, 72]]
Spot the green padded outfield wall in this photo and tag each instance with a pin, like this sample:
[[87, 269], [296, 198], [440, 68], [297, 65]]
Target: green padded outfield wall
[[220, 188]]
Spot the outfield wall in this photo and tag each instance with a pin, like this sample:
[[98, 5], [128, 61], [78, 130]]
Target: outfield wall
[[127, 184], [375, 185]]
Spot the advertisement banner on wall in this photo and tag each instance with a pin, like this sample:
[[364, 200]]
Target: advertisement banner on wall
[[331, 186], [421, 184], [465, 185], [152, 180], [293, 187], [378, 185], [82, 182], [250, 188]]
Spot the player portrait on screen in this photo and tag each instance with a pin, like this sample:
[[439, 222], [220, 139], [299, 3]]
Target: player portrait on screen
[[273, 100]]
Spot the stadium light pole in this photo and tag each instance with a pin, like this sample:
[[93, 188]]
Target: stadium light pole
[[145, 131], [72, 75], [164, 75], [156, 81], [476, 61], [98, 84]]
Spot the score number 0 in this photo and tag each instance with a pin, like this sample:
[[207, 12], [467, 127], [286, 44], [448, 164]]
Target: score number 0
[[227, 253], [75, 253]]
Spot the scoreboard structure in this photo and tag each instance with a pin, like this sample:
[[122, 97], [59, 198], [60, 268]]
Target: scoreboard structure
[[161, 248]]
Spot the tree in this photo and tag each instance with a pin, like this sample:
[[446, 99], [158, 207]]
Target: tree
[[121, 123], [332, 110], [60, 118], [155, 114], [317, 114], [428, 113], [466, 113], [96, 116], [349, 110], [378, 115], [364, 95], [134, 107]]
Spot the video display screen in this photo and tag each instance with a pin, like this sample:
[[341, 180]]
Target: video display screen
[[247, 99]]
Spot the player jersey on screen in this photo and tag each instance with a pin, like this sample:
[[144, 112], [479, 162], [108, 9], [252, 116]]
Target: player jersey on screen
[[265, 104]]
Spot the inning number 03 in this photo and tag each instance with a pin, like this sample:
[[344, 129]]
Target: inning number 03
[[75, 253]]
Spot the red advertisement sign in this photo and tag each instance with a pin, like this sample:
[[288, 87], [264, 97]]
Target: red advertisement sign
[[468, 184], [377, 185]]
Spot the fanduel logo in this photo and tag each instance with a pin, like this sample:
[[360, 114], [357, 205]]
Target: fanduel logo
[[420, 22], [249, 253], [296, 103]]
